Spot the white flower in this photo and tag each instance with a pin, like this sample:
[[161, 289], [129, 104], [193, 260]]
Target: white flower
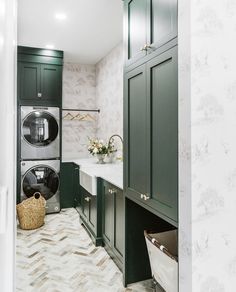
[[95, 150]]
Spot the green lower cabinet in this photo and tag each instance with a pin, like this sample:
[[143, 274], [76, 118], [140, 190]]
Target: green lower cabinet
[[113, 222], [90, 214], [69, 190]]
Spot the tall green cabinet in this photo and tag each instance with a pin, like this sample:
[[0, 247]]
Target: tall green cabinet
[[150, 127]]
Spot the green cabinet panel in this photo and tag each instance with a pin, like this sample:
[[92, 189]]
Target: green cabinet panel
[[136, 134], [29, 81], [162, 22], [119, 221], [162, 82], [149, 24], [90, 211], [51, 82], [136, 26], [151, 135], [113, 222], [108, 206], [69, 177]]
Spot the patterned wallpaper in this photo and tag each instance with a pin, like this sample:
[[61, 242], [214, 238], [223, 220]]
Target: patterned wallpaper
[[78, 92], [208, 106], [89, 87], [109, 93]]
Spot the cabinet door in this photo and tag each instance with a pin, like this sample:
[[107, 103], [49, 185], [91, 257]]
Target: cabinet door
[[76, 187], [29, 81], [162, 81], [162, 22], [137, 134], [67, 185], [135, 29], [92, 219], [51, 82], [119, 221], [108, 211], [85, 203]]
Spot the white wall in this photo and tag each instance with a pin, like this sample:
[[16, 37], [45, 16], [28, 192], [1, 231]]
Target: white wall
[[208, 66], [7, 145]]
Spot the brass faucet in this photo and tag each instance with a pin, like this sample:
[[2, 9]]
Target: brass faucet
[[109, 142]]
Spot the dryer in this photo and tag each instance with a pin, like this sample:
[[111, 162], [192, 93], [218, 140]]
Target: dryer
[[42, 176], [40, 132]]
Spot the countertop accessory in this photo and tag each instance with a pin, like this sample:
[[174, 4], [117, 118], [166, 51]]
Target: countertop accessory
[[31, 212], [112, 146]]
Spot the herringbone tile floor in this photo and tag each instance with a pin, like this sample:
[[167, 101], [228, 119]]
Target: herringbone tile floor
[[60, 257]]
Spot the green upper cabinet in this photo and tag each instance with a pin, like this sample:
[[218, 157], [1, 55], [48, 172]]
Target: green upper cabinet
[[29, 80], [149, 24], [51, 82], [39, 77], [136, 29], [151, 135]]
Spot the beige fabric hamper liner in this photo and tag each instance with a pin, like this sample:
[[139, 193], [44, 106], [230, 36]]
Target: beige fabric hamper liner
[[163, 254], [31, 212]]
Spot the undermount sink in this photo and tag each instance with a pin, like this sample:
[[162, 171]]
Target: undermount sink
[[88, 182]]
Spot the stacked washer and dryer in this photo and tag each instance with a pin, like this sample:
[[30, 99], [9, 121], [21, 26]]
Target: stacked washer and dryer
[[40, 154]]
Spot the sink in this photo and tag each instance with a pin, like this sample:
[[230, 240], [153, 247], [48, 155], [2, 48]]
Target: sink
[[88, 182]]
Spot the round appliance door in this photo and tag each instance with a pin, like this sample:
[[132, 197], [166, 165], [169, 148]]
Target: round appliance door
[[39, 129], [41, 178]]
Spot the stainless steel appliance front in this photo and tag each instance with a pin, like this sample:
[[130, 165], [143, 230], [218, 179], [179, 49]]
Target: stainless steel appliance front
[[40, 132], [44, 177]]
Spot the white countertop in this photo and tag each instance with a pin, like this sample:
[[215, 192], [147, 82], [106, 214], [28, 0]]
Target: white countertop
[[111, 172]]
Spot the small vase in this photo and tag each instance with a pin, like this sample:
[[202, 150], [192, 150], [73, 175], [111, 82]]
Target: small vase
[[101, 158]]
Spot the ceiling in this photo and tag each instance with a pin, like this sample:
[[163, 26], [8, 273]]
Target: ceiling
[[89, 31]]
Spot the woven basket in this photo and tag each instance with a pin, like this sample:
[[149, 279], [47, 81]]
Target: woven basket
[[31, 212]]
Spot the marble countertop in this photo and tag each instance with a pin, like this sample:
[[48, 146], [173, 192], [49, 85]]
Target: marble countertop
[[111, 172]]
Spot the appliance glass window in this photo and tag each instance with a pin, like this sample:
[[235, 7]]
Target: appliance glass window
[[39, 128], [41, 179]]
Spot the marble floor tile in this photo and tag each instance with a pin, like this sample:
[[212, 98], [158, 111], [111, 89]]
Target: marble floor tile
[[60, 257]]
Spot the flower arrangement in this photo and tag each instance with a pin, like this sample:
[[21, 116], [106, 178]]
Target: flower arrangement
[[97, 146]]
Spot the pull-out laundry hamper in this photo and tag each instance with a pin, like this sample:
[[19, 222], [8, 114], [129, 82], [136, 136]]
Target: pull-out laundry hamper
[[163, 255], [31, 212]]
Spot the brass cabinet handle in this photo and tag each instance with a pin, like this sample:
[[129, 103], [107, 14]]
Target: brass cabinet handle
[[146, 197], [111, 191], [146, 47]]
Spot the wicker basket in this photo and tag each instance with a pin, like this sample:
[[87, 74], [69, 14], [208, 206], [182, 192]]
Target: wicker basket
[[31, 212]]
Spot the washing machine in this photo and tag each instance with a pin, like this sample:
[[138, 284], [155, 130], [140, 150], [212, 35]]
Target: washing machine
[[42, 176], [40, 132]]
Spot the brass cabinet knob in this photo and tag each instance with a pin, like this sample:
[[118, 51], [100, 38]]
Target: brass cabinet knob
[[87, 199]]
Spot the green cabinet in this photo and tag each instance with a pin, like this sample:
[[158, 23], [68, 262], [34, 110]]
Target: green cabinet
[[39, 77], [89, 209], [113, 222], [149, 24], [69, 187], [151, 135], [90, 214]]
